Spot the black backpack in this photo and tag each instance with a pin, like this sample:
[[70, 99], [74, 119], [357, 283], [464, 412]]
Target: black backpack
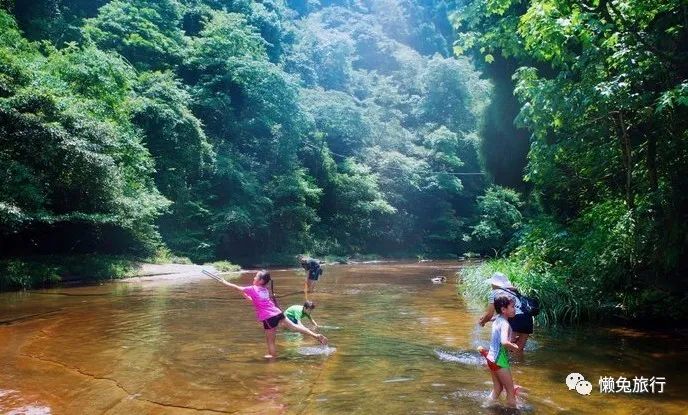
[[529, 305]]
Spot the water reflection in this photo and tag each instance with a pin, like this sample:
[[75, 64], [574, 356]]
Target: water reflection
[[399, 345]]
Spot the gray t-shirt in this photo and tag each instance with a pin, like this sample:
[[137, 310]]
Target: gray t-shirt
[[505, 293]]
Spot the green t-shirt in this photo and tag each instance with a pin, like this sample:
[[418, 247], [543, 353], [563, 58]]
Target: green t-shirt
[[296, 312]]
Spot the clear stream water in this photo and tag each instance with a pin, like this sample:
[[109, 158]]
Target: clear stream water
[[398, 345]]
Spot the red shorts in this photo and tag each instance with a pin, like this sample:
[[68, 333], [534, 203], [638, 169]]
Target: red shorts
[[492, 365]]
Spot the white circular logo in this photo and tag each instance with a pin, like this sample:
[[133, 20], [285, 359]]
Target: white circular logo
[[584, 387], [572, 379]]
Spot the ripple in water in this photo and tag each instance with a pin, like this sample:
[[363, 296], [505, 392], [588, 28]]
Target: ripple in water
[[30, 410], [463, 357], [330, 327], [479, 396], [6, 392], [395, 380], [316, 350], [531, 345], [484, 398], [12, 403]]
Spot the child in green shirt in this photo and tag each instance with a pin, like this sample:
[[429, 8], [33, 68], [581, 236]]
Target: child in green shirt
[[297, 312]]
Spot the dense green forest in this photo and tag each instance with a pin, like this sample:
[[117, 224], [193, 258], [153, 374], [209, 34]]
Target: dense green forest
[[602, 89], [238, 130], [550, 135]]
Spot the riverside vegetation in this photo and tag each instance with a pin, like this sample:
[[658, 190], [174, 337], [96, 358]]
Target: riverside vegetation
[[549, 135]]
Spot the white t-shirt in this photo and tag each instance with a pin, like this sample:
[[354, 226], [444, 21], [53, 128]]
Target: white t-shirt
[[501, 330]]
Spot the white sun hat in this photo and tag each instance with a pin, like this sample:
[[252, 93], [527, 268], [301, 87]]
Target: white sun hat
[[500, 280]]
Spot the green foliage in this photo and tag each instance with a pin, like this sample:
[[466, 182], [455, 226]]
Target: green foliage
[[146, 33], [293, 197], [21, 275], [232, 129], [451, 94], [225, 266], [163, 255], [92, 168], [174, 136], [500, 217], [323, 54], [340, 118], [46, 271], [56, 21], [224, 36], [558, 304], [601, 88], [395, 121], [579, 273], [355, 196]]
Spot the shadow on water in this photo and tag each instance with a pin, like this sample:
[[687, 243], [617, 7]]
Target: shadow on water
[[399, 344]]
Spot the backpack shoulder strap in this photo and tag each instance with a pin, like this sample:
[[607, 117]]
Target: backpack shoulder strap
[[512, 292]]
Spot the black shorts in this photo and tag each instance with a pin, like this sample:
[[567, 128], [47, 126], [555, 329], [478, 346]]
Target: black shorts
[[522, 323], [314, 274], [272, 322]]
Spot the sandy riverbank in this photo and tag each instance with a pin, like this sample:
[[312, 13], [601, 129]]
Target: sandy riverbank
[[158, 272]]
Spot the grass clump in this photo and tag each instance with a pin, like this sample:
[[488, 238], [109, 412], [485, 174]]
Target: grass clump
[[225, 266]]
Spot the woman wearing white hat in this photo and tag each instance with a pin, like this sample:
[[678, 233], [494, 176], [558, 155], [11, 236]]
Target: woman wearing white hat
[[522, 323]]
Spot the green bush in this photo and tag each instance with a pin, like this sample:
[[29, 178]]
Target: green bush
[[18, 275], [499, 218], [580, 272], [42, 272], [557, 304], [225, 266], [165, 256]]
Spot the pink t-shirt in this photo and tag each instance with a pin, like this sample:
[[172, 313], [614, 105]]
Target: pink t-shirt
[[260, 296]]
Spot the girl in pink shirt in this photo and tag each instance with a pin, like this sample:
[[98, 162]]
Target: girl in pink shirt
[[267, 312]]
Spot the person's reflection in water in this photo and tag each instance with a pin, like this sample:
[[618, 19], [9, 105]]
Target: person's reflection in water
[[270, 395]]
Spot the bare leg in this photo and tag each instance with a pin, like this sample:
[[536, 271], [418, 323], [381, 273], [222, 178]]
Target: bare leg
[[270, 339], [285, 322], [507, 381], [521, 340], [300, 324], [496, 386]]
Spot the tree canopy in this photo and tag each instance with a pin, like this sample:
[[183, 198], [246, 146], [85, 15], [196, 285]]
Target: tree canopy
[[602, 89], [240, 130], [551, 134]]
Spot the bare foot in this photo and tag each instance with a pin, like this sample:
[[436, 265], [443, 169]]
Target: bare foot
[[269, 356], [520, 391]]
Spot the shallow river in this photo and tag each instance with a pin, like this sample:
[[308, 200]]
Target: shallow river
[[398, 345]]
